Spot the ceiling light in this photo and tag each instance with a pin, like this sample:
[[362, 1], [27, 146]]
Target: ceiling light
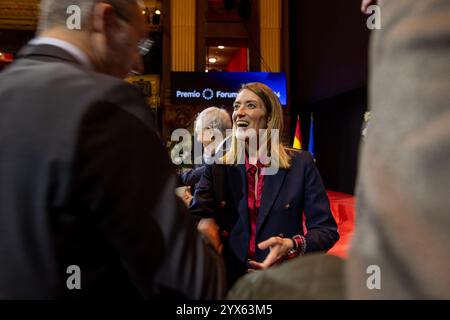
[[221, 47], [212, 60], [157, 12]]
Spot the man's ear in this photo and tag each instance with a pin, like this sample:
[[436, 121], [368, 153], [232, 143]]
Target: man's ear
[[102, 17], [366, 3]]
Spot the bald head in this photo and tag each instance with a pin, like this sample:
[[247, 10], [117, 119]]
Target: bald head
[[53, 13], [109, 33]]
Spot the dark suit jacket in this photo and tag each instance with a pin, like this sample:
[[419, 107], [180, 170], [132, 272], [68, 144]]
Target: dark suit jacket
[[192, 176], [222, 193], [85, 180]]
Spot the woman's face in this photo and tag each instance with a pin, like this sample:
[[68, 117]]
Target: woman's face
[[249, 113]]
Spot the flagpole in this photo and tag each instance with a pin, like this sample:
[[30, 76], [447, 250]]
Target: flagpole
[[311, 138]]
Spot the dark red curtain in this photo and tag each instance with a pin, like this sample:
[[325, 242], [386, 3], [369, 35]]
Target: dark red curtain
[[239, 62]]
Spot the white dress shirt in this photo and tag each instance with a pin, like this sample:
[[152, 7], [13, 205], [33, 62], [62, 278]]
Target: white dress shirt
[[76, 52]]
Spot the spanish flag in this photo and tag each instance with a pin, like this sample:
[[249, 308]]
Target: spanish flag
[[298, 136]]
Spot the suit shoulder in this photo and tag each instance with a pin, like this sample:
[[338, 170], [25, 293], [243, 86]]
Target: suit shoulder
[[102, 93], [113, 85], [299, 157], [122, 94], [90, 82], [299, 154]]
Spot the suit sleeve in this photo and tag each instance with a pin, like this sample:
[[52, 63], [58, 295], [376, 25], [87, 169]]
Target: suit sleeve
[[203, 203], [126, 184], [192, 177], [322, 228]]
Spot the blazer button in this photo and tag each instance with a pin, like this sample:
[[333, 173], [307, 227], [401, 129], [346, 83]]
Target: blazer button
[[287, 205], [223, 204]]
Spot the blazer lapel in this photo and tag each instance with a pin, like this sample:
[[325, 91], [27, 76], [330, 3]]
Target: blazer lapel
[[272, 187]]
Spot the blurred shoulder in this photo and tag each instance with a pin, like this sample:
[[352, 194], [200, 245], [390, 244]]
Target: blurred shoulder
[[316, 276], [299, 157], [114, 88], [124, 95]]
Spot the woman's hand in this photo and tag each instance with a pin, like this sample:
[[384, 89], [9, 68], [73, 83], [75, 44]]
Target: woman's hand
[[279, 248]]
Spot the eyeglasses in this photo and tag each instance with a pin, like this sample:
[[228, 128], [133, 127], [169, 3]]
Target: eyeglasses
[[144, 45]]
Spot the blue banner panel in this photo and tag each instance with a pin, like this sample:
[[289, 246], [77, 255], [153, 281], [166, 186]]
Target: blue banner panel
[[220, 88]]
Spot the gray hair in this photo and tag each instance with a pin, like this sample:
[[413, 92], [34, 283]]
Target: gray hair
[[213, 118], [53, 13]]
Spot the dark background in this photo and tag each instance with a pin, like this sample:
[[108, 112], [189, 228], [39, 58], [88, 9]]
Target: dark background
[[328, 62]]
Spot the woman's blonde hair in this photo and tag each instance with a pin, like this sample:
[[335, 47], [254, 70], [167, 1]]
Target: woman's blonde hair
[[274, 113]]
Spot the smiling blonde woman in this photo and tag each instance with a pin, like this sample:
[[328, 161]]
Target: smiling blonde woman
[[260, 216]]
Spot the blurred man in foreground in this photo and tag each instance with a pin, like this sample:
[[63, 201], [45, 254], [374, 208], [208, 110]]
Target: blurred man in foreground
[[87, 202]]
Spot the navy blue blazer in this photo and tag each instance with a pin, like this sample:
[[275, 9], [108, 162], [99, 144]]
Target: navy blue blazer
[[222, 194], [192, 176]]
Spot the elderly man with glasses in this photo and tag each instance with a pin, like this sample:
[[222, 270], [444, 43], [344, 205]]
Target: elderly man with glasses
[[87, 203]]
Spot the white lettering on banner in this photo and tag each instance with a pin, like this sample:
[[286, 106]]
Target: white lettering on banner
[[207, 94], [226, 95], [188, 94]]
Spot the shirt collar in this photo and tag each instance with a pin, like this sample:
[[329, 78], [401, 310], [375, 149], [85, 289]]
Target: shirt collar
[[76, 52], [249, 166]]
